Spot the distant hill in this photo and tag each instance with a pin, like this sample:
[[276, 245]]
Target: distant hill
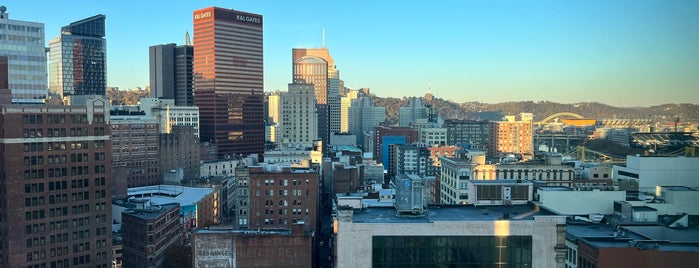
[[542, 109]]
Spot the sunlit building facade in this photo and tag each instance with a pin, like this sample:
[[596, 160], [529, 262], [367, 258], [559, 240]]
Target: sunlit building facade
[[228, 79], [23, 44]]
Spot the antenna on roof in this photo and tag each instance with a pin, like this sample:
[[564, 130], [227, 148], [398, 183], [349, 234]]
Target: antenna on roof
[[323, 36]]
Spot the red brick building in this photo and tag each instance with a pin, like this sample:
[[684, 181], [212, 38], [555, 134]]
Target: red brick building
[[148, 232], [243, 248], [276, 199], [55, 176]]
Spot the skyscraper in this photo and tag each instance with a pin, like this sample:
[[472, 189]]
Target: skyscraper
[[364, 116], [171, 73], [228, 79], [78, 59], [299, 123], [415, 109], [23, 44], [316, 66]]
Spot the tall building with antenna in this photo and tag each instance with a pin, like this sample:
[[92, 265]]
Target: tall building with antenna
[[316, 66], [228, 79]]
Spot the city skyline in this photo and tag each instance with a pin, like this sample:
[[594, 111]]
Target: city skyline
[[622, 53]]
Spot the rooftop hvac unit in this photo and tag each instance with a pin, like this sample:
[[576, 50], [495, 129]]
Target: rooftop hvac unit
[[409, 197]]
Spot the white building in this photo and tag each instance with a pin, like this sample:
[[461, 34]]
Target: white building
[[433, 135], [218, 168], [168, 115], [24, 44], [414, 110], [364, 117], [299, 122], [644, 174], [559, 200], [509, 236]]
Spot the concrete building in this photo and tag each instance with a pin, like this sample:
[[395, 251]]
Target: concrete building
[[433, 136], [55, 175], [468, 133], [345, 179], [274, 115], [511, 136], [414, 110], [135, 149], [199, 207], [299, 124], [513, 236], [364, 117], [557, 199], [228, 80], [179, 153], [171, 74], [316, 66], [269, 198], [643, 174], [345, 103], [168, 114], [409, 159], [24, 47], [78, 59], [218, 168], [149, 231], [247, 248]]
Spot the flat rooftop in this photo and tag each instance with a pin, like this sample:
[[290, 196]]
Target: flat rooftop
[[162, 194], [451, 213], [659, 238], [152, 212]]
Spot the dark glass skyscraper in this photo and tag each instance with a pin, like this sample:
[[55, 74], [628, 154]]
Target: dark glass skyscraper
[[171, 73], [228, 79], [78, 59]]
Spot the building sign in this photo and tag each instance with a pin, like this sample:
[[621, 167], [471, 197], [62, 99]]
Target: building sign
[[202, 15], [222, 255]]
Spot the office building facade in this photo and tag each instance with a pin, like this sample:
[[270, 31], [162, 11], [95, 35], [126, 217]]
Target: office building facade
[[298, 116], [171, 74], [364, 117], [23, 44], [228, 79], [78, 59], [55, 175]]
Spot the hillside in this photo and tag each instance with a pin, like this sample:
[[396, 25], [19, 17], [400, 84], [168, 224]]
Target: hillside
[[477, 110]]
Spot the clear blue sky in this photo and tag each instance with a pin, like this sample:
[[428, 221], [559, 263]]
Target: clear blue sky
[[625, 53]]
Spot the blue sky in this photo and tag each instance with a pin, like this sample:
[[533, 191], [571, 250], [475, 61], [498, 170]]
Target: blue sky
[[619, 52]]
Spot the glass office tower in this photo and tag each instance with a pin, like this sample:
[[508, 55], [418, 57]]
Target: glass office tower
[[78, 59]]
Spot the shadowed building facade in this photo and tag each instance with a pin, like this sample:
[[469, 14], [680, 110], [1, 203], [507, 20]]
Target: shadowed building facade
[[228, 79]]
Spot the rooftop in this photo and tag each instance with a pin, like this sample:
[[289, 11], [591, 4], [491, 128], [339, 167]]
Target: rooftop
[[643, 237], [163, 194], [151, 212], [452, 213]]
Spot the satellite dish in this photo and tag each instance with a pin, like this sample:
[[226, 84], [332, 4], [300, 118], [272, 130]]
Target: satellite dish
[[3, 9]]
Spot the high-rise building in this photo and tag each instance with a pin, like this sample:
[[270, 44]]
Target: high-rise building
[[171, 75], [414, 110], [345, 103], [273, 117], [363, 117], [468, 133], [228, 79], [135, 150], [298, 111], [23, 44], [511, 136], [383, 136], [78, 59], [55, 177], [316, 66]]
